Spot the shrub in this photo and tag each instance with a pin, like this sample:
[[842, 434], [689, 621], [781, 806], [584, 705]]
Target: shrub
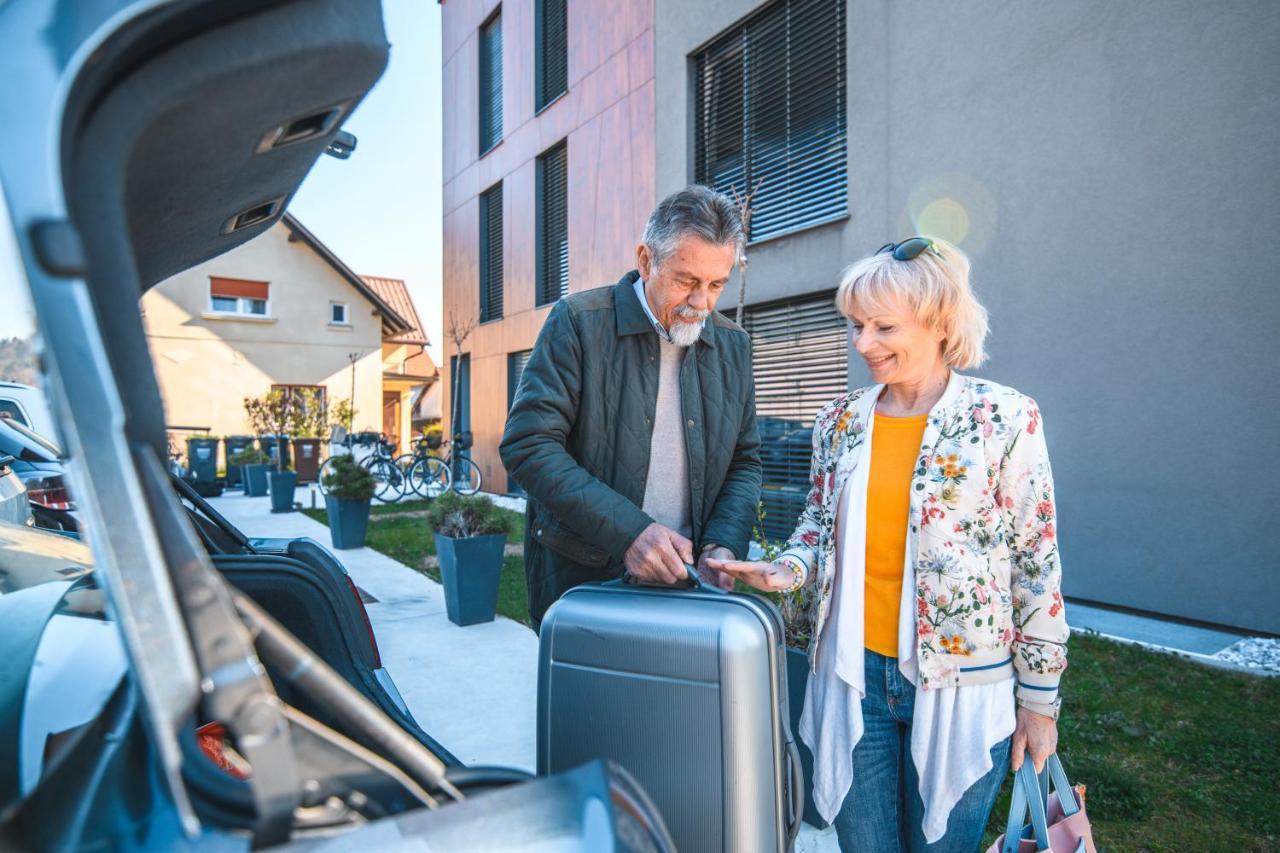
[[461, 516], [249, 456], [348, 481]]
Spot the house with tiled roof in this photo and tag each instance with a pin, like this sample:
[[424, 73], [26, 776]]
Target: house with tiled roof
[[408, 372], [284, 312]]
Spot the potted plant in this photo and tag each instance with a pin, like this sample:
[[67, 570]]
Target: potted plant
[[253, 465], [310, 421], [795, 624], [470, 536], [273, 412], [349, 488]]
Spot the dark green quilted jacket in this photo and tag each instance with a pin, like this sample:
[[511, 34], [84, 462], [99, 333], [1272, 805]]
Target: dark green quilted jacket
[[577, 438]]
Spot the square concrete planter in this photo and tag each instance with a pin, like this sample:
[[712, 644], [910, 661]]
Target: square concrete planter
[[282, 484], [797, 682], [255, 479], [348, 521], [470, 569]]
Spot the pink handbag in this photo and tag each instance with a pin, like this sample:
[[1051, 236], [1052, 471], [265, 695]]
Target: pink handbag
[[1058, 820]]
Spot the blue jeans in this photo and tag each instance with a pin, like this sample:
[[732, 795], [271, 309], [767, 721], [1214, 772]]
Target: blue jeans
[[883, 812]]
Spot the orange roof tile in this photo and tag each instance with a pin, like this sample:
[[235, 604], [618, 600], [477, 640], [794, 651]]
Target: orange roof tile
[[395, 293]]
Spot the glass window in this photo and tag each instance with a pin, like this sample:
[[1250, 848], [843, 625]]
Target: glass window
[[771, 103], [338, 313], [224, 303], [491, 82], [553, 224]]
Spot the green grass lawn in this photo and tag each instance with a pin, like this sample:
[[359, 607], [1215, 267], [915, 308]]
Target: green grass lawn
[[1176, 756]]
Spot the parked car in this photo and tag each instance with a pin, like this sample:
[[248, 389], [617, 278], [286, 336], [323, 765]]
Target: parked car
[[27, 406], [14, 506], [148, 136], [38, 463]]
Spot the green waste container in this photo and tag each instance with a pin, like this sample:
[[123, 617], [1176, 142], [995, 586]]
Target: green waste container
[[233, 444]]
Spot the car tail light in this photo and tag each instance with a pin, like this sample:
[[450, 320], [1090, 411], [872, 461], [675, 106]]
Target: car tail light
[[373, 641], [49, 492]]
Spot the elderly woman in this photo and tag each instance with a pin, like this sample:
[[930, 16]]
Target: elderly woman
[[929, 536]]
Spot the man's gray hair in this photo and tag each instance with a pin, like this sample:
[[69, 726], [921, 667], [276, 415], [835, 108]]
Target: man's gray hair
[[693, 211]]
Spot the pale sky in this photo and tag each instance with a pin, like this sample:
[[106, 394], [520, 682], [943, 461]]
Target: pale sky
[[380, 211]]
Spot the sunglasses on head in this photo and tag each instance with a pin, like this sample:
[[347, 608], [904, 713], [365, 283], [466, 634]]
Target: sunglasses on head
[[909, 249]]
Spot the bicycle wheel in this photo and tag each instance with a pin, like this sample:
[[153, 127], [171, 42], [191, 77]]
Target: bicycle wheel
[[466, 477], [388, 482], [429, 477], [325, 470]]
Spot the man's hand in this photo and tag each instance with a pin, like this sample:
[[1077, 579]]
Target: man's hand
[[712, 576], [659, 555], [1035, 733], [767, 577]]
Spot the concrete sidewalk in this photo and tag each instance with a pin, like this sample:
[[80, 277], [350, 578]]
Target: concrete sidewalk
[[475, 688]]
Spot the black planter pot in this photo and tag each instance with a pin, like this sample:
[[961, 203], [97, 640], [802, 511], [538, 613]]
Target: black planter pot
[[255, 479], [797, 680], [470, 569], [348, 521], [282, 485]]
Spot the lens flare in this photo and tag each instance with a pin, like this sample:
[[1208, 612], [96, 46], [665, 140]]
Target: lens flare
[[955, 207]]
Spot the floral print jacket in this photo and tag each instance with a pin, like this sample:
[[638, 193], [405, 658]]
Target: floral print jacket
[[982, 539]]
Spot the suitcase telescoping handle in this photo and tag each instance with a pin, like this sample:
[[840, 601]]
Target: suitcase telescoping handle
[[692, 580]]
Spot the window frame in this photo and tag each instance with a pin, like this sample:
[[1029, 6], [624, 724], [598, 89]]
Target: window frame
[[346, 313], [241, 310], [492, 91], [487, 314], [541, 247], [542, 99]]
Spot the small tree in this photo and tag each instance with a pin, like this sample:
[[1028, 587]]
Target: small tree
[[310, 415], [744, 202], [272, 413], [345, 414], [459, 331]]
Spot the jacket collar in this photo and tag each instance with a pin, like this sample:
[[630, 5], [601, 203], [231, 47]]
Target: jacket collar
[[632, 319]]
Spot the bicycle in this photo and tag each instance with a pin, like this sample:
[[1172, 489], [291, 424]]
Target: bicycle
[[431, 476], [425, 474], [388, 479]]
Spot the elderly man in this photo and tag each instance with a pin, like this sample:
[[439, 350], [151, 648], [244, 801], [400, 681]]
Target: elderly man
[[633, 430]]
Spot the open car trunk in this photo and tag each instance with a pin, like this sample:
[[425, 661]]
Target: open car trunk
[[145, 137]]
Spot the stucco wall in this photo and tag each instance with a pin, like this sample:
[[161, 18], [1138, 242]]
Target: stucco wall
[[1110, 168], [207, 366]]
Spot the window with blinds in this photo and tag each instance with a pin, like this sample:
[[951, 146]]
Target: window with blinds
[[553, 224], [491, 82], [515, 369], [771, 115], [800, 362], [491, 254], [551, 35]]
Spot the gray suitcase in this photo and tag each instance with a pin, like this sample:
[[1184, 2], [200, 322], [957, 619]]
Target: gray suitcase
[[686, 689]]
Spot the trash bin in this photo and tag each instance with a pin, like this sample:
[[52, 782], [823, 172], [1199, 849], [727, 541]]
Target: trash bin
[[306, 455], [202, 459], [233, 444], [269, 443]]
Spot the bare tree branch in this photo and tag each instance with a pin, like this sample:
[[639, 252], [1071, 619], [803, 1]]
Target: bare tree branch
[[744, 201]]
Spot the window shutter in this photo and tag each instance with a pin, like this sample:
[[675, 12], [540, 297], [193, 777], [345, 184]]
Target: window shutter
[[552, 38], [771, 111], [491, 83], [553, 224], [232, 288], [491, 254], [799, 360], [516, 362]]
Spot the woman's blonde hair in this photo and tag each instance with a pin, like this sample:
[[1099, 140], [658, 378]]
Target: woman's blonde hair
[[935, 284]]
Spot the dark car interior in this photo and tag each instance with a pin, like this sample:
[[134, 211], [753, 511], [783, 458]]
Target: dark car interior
[[185, 135]]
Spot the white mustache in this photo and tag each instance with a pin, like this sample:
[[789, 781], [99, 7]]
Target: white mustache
[[690, 314]]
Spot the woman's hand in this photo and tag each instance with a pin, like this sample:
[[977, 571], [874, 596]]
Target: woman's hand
[[1035, 733], [768, 577]]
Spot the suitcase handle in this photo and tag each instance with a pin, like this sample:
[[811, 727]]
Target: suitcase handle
[[691, 580], [797, 793]]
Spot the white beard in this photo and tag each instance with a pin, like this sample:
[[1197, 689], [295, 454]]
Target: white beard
[[685, 334]]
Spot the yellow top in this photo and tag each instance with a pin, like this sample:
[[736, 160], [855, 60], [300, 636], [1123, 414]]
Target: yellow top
[[895, 447]]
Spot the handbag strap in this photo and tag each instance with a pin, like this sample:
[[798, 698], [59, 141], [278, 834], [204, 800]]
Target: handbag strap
[[1054, 772], [1026, 796]]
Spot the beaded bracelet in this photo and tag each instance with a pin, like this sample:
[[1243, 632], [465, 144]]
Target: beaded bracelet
[[797, 572]]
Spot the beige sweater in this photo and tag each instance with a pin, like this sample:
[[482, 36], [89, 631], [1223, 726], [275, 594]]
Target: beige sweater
[[666, 492]]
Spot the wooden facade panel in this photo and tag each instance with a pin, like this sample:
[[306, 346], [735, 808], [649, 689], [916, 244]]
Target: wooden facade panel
[[607, 116]]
